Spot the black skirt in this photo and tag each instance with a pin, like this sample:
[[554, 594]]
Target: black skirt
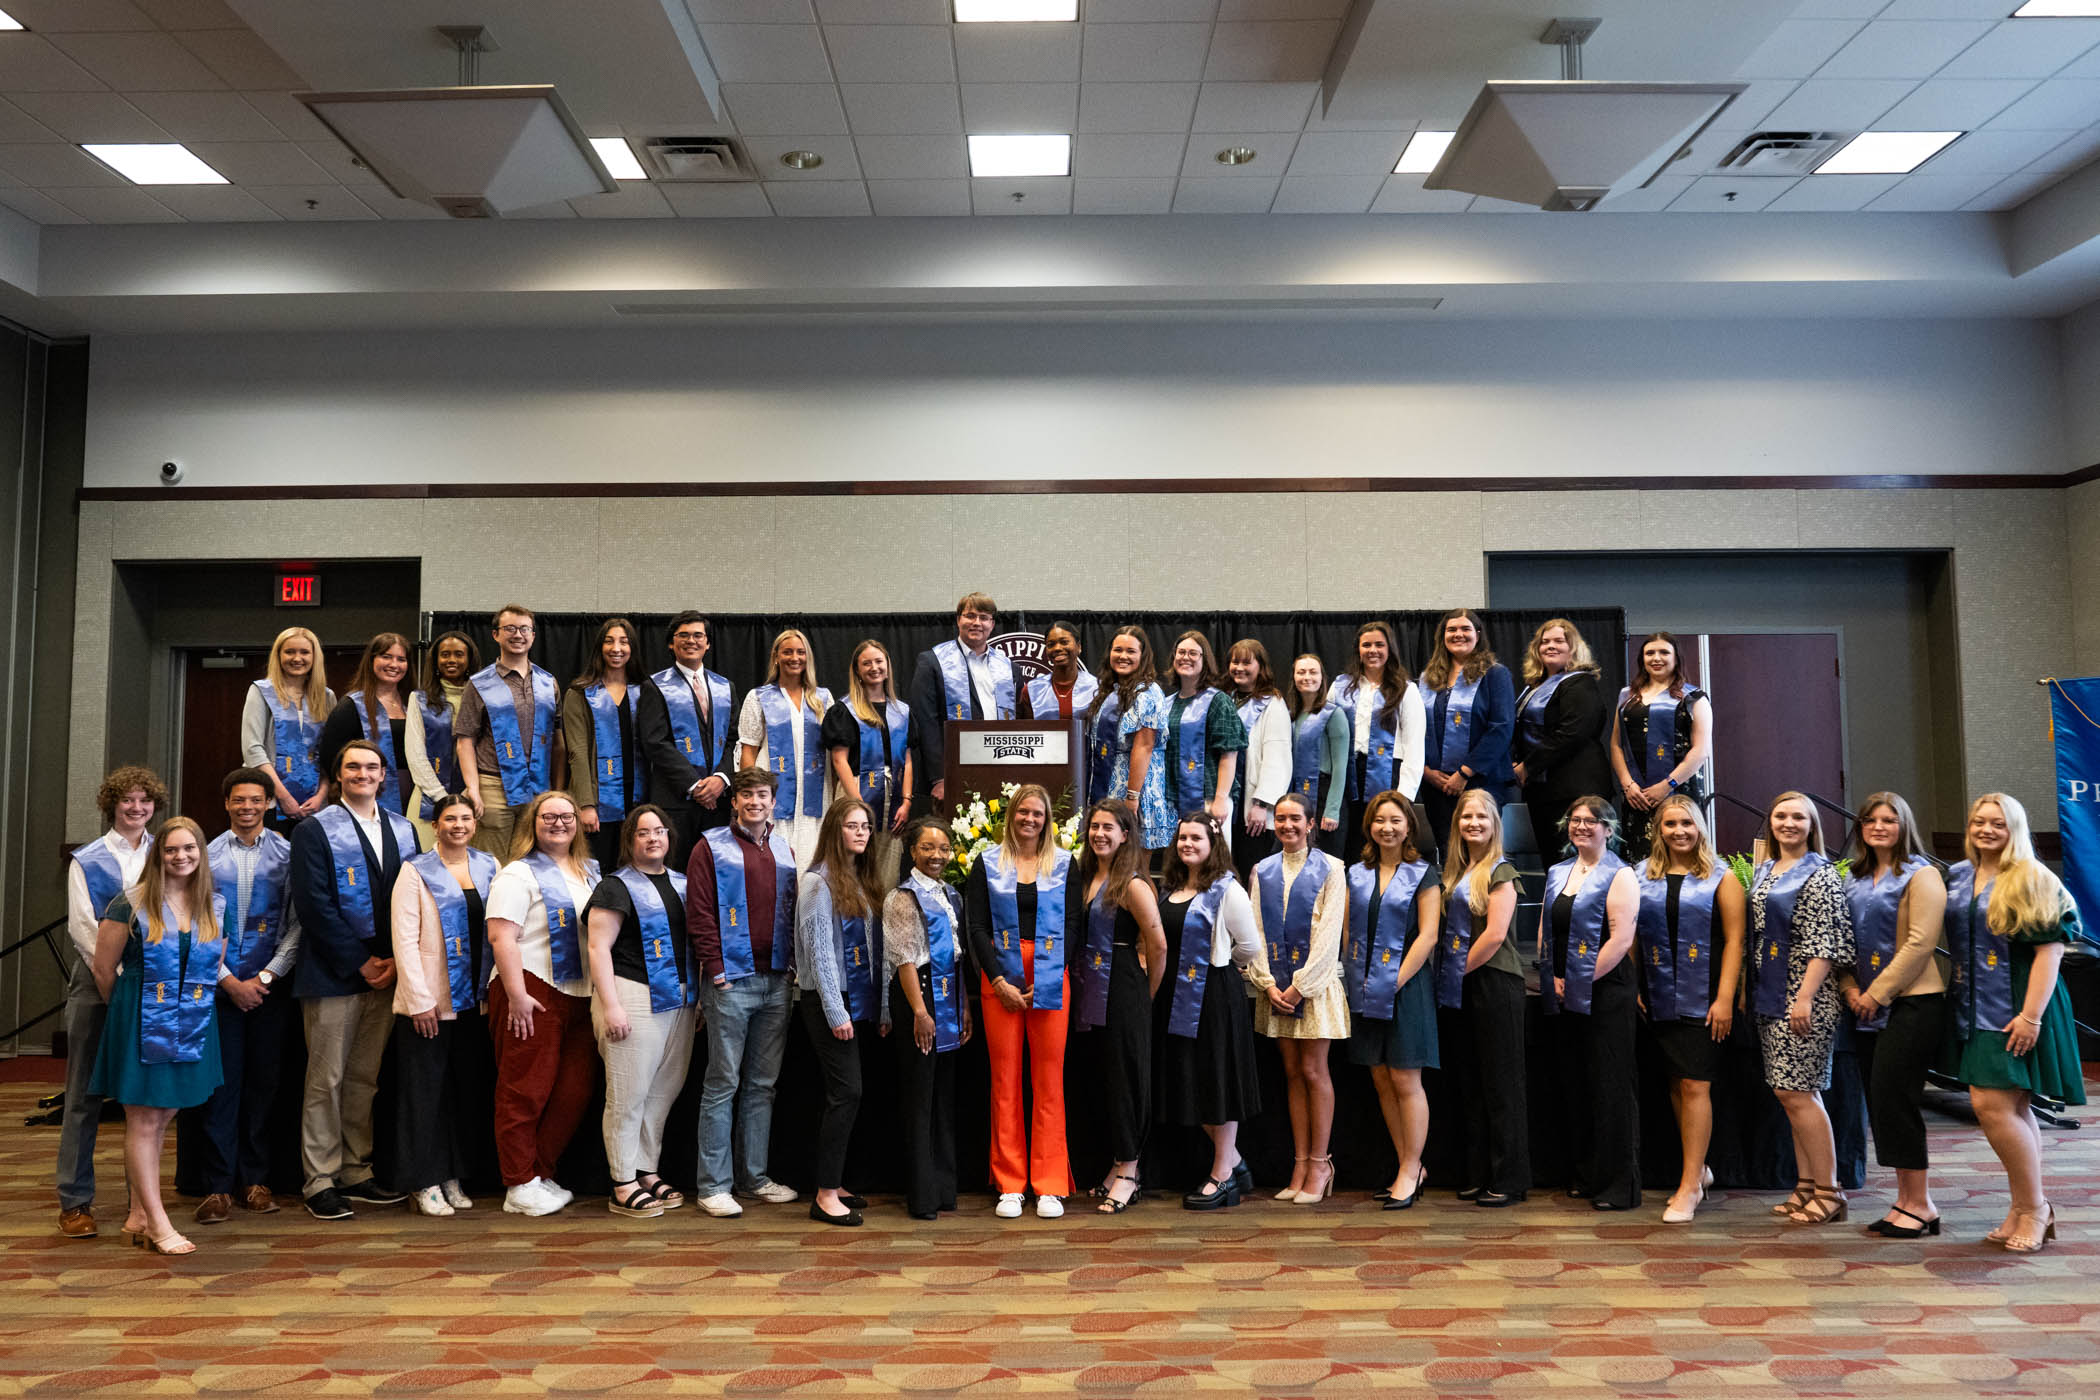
[[1688, 1049], [1211, 1077]]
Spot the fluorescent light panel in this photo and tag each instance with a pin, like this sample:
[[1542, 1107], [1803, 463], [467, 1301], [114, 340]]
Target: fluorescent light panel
[[164, 164], [1887, 152], [2057, 9], [618, 157], [1015, 11], [8, 21], [1424, 150], [1017, 156]]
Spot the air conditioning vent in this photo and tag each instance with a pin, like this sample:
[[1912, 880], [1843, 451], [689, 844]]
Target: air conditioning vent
[[1784, 154], [713, 160]]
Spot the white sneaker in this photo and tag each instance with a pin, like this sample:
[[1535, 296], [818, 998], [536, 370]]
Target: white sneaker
[[773, 1191], [721, 1204], [430, 1201], [531, 1198], [1009, 1207], [456, 1197], [1049, 1207], [562, 1194]]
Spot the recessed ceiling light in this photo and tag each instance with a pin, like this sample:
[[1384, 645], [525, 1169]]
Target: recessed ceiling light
[[801, 160], [618, 158], [1236, 155], [1015, 11], [8, 21], [1013, 156], [2058, 9], [1424, 150], [167, 164], [1886, 152]]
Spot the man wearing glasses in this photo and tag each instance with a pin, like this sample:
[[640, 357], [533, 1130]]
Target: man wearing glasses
[[505, 732], [683, 727]]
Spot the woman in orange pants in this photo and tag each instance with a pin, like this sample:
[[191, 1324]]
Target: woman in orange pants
[[1014, 911]]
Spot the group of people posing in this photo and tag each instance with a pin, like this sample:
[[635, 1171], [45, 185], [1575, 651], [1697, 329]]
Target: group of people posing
[[413, 869]]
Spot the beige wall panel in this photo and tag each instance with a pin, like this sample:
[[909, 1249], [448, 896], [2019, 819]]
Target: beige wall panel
[[867, 554], [1395, 549], [1230, 551], [1049, 551], [2084, 543], [1719, 519], [670, 553], [266, 529], [1875, 519], [485, 553], [1559, 521]]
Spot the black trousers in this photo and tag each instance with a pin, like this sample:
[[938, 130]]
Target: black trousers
[[1498, 1123], [839, 1062], [1893, 1061], [232, 1127], [431, 1093], [604, 845], [926, 1103], [1126, 1056], [1250, 848], [1599, 1081], [1329, 841]]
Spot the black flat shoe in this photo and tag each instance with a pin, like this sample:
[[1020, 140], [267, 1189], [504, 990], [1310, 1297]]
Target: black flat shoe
[[925, 1215], [1393, 1202], [851, 1201], [823, 1217], [1890, 1230], [1498, 1198], [1608, 1205], [1472, 1193], [1225, 1195]]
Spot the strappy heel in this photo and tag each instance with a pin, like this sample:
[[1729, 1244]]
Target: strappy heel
[[1821, 1208], [1308, 1198], [1290, 1193], [2032, 1244], [1111, 1206], [1890, 1230], [1804, 1189], [174, 1243]]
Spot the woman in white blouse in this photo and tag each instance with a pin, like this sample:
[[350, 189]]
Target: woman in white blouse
[[540, 1002], [781, 729], [281, 724], [1265, 766], [1385, 715]]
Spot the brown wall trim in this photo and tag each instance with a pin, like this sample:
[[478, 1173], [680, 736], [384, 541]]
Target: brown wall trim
[[1164, 486]]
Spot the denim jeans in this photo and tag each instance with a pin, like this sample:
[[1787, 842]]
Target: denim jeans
[[746, 1035]]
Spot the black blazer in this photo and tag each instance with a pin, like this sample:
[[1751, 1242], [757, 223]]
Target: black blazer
[[671, 774], [929, 713], [1569, 761]]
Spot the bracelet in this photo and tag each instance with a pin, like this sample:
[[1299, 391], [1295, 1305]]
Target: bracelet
[[2030, 1020]]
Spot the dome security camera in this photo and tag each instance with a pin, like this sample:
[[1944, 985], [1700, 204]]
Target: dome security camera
[[170, 473]]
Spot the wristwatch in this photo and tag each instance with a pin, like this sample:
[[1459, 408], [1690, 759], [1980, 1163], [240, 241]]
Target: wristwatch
[[267, 978], [1673, 785]]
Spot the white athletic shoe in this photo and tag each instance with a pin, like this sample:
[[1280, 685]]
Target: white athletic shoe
[[722, 1205], [531, 1198], [456, 1197], [429, 1201], [1009, 1207], [559, 1192], [1049, 1207], [773, 1191]]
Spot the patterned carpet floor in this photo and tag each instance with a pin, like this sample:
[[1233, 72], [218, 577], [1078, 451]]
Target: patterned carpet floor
[[1269, 1299]]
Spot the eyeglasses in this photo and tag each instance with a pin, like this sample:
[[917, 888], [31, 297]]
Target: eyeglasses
[[515, 629], [689, 636], [558, 818], [854, 826], [1574, 822]]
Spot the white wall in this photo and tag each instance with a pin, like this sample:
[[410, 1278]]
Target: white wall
[[1347, 398]]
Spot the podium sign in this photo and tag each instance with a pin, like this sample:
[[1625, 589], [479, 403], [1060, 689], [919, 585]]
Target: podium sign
[[984, 755]]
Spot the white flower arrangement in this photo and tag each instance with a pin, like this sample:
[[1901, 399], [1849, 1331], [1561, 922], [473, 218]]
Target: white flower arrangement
[[979, 824]]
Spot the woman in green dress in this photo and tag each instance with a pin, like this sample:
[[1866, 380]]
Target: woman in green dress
[[158, 955], [2008, 920]]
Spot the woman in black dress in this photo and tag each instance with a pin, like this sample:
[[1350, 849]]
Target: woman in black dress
[[1662, 734], [1120, 951], [1561, 725], [375, 708]]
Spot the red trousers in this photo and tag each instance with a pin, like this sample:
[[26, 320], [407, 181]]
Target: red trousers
[[1025, 1154], [544, 1083]]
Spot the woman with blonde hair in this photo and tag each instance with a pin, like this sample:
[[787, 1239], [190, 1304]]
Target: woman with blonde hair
[[2009, 919], [159, 1053], [780, 729], [870, 740], [1559, 742], [1688, 895], [281, 723], [1480, 978]]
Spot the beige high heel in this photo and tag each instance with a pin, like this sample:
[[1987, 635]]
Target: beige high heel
[[1309, 1198], [2019, 1243], [1290, 1193]]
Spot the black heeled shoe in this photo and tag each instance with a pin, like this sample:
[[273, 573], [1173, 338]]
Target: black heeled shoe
[[1225, 1194], [1498, 1198], [1393, 1202], [1243, 1177], [1111, 1206], [1890, 1230]]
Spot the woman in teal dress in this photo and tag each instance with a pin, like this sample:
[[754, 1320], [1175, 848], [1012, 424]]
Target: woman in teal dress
[[2008, 919], [158, 955]]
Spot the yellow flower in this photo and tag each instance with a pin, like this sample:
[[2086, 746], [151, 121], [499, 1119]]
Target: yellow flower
[[995, 806]]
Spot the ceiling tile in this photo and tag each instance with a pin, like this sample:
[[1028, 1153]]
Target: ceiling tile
[[769, 107], [342, 167], [1272, 155], [1708, 149], [1798, 47], [320, 203], [919, 157], [1038, 196], [261, 162], [2086, 67], [205, 116], [718, 201], [1836, 105], [2012, 193], [40, 207], [920, 198], [1149, 11], [151, 61], [289, 115], [752, 11], [767, 53], [1654, 195], [2080, 148], [1839, 9], [1020, 106], [1017, 53], [128, 205], [47, 165], [1949, 9], [29, 63], [1225, 196], [75, 16], [886, 108], [1136, 106], [891, 53], [2028, 48], [1144, 53], [1255, 106], [1283, 9], [637, 199], [18, 125], [1403, 194], [191, 14], [216, 204], [1126, 154], [92, 116], [1833, 193], [1721, 195], [830, 199], [1902, 49], [1755, 102], [2060, 104], [841, 162], [885, 11], [1119, 196], [243, 60], [1997, 153], [1949, 104], [1327, 194], [1270, 51], [1931, 193], [1347, 153]]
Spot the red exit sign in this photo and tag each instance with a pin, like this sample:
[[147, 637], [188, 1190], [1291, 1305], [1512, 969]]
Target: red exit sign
[[298, 590]]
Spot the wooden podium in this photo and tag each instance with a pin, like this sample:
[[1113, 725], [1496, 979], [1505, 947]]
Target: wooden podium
[[984, 755]]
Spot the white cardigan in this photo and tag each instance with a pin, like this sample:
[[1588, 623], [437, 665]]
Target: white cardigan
[[1268, 762]]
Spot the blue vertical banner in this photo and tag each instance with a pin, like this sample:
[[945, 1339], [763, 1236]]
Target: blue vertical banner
[[2074, 711]]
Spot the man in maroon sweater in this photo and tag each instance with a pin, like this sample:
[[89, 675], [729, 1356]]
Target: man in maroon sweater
[[740, 910]]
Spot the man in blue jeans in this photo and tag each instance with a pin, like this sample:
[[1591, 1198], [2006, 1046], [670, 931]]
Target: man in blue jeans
[[740, 910]]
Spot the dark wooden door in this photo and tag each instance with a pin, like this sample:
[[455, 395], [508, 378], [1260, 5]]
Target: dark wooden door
[[215, 683], [1778, 725]]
